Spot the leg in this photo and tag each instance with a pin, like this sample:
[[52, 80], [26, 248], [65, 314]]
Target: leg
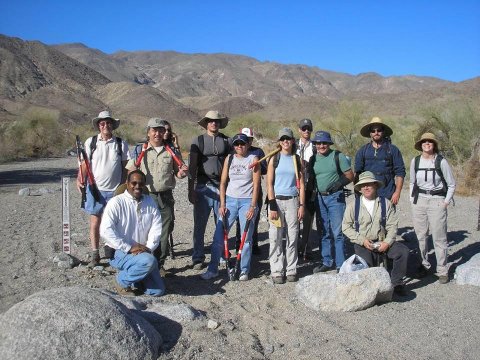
[[292, 224], [201, 213], [437, 215], [303, 240], [398, 252], [247, 246], [420, 224], [166, 211], [364, 253], [276, 256], [336, 206], [95, 231], [326, 237]]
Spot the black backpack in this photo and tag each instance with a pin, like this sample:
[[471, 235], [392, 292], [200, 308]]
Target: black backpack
[[436, 170], [93, 146]]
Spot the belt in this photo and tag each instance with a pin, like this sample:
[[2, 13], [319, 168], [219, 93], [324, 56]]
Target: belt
[[432, 192], [326, 193], [282, 197]]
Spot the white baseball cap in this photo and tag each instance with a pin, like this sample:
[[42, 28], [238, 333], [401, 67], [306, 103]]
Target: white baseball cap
[[248, 132]]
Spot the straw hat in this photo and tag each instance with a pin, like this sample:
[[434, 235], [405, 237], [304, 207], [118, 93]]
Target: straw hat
[[426, 136], [214, 115], [105, 115], [365, 178], [365, 130]]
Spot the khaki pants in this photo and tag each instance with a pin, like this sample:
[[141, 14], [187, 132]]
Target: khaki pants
[[430, 215], [287, 210]]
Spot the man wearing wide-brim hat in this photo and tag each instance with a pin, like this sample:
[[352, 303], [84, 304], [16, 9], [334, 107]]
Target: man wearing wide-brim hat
[[207, 154], [382, 158], [108, 156], [371, 237]]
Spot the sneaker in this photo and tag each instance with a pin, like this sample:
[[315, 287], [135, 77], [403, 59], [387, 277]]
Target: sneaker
[[243, 277], [443, 279], [278, 280], [198, 265], [400, 290], [292, 278], [323, 268], [207, 275]]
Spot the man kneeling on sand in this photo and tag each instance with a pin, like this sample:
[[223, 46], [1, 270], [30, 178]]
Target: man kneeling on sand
[[373, 230], [132, 225]]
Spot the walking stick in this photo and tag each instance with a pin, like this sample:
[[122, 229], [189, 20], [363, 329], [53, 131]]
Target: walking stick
[[297, 176], [234, 272], [172, 254], [225, 244], [270, 154]]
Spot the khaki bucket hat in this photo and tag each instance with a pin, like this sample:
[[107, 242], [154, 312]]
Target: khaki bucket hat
[[105, 115], [214, 115], [426, 136], [365, 130], [365, 178]]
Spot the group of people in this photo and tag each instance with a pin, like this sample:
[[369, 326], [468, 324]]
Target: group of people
[[305, 180]]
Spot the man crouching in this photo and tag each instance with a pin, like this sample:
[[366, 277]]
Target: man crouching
[[371, 223], [132, 225]]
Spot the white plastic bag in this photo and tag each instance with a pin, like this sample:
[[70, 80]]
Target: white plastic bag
[[353, 263]]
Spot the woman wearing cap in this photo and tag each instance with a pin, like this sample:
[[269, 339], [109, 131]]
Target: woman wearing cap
[[239, 188], [432, 186], [171, 138], [286, 202]]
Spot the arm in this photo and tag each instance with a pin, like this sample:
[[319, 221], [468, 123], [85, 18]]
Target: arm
[[348, 224], [301, 208], [192, 168], [273, 214], [412, 179], [399, 172], [109, 228], [448, 175], [222, 210], [256, 189], [153, 239]]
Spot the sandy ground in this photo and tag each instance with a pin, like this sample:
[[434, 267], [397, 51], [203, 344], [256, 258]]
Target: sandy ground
[[257, 319]]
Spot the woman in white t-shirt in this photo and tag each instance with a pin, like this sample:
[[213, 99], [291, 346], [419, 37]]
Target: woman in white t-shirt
[[239, 189]]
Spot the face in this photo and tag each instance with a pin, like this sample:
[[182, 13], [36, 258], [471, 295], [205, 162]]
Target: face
[[213, 125], [240, 148], [376, 132], [286, 142], [428, 146], [305, 132], [155, 136], [322, 147], [106, 127], [369, 190], [168, 133], [135, 186]]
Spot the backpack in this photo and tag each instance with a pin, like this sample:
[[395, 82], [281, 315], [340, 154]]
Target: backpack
[[93, 146], [201, 143], [436, 170], [276, 160], [383, 215]]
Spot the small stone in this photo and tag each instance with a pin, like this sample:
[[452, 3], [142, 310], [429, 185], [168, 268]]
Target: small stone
[[268, 349], [15, 276], [212, 324], [24, 192]]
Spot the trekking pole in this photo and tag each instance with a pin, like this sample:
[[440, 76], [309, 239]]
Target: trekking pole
[[234, 272], [142, 154], [269, 155], [91, 179], [172, 254], [225, 244], [297, 176]]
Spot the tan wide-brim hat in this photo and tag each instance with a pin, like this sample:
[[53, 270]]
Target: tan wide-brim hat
[[214, 115], [426, 136], [365, 130], [105, 115], [365, 178]]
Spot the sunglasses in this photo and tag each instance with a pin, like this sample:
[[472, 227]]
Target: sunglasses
[[322, 143], [373, 131], [239, 144], [427, 142], [306, 128], [285, 138]]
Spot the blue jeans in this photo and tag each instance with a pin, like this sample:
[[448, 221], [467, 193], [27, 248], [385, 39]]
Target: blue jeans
[[236, 208], [140, 269], [331, 209], [208, 199]]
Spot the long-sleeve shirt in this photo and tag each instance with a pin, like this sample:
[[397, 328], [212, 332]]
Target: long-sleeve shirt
[[127, 221], [426, 180], [369, 226]]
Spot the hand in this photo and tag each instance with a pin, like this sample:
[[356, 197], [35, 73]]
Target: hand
[[250, 213], [395, 197], [445, 205], [192, 196], [139, 248], [273, 215], [383, 247], [300, 213], [222, 211], [175, 140], [367, 244]]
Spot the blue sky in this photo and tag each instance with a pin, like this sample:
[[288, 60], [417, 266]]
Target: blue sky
[[429, 38]]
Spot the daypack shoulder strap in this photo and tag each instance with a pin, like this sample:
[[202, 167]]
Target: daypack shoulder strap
[[93, 146], [383, 206], [201, 143], [357, 212], [119, 147], [337, 162]]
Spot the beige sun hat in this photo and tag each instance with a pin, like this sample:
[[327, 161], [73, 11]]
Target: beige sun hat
[[426, 136], [214, 115], [365, 130], [365, 178], [105, 115]]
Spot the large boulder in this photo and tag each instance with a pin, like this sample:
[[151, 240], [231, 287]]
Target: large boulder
[[353, 291], [75, 323], [469, 273]]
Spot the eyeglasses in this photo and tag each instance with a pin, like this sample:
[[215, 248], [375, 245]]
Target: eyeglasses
[[104, 123], [427, 142], [239, 144], [139, 183], [376, 130], [285, 138], [306, 128]]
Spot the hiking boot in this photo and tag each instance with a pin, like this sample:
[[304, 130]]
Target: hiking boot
[[243, 277], [400, 290], [278, 280], [443, 279], [121, 290], [323, 268], [94, 259], [292, 278], [198, 265], [207, 275]]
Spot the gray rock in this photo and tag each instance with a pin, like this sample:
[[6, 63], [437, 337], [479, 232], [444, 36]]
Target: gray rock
[[212, 324], [65, 261], [24, 192], [469, 273], [75, 323], [354, 291]]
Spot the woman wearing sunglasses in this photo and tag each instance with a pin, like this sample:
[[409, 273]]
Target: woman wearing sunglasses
[[239, 189], [286, 202], [432, 186]]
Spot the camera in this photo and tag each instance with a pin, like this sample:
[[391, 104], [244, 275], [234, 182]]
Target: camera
[[376, 246]]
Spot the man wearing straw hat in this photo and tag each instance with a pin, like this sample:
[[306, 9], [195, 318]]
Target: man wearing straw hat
[[108, 156], [372, 236], [207, 154], [382, 158]]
